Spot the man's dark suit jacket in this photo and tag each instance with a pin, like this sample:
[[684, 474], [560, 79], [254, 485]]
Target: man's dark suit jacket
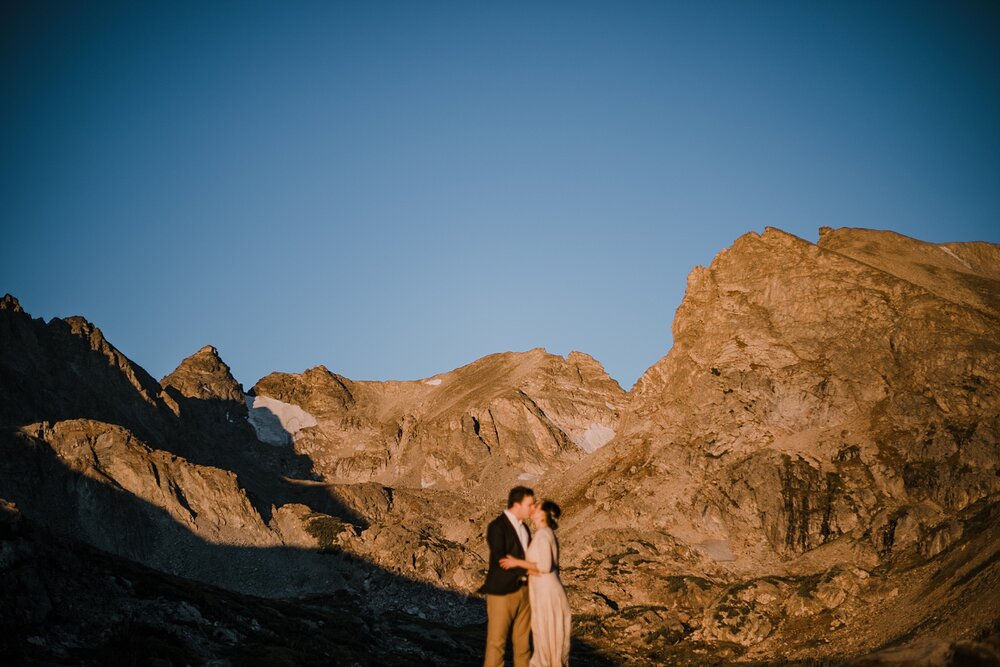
[[502, 540]]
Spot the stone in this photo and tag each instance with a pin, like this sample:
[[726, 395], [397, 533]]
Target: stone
[[809, 474]]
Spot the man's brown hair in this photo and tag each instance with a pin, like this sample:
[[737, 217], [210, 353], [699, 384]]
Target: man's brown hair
[[517, 494]]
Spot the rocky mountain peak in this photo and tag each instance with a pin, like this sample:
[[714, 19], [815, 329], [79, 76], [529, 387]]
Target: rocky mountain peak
[[66, 368], [791, 357], [9, 302], [591, 369], [205, 375], [811, 472], [504, 417], [317, 390], [963, 273], [582, 358], [82, 330]]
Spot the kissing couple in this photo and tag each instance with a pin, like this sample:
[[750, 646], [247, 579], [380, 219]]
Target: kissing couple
[[523, 591]]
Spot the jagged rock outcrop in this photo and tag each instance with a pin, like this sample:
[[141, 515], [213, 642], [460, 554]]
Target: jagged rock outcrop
[[204, 375], [212, 426], [100, 484], [66, 369], [824, 406], [834, 387], [505, 418]]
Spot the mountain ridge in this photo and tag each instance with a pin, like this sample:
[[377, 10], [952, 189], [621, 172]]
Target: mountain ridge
[[822, 436]]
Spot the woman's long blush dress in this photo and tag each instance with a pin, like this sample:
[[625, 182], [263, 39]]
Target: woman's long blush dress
[[550, 615]]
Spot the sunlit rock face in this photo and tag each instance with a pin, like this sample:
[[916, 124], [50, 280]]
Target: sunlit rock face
[[811, 472], [503, 419], [827, 411], [206, 376]]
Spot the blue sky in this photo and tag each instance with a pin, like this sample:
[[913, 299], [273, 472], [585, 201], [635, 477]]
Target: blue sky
[[394, 190]]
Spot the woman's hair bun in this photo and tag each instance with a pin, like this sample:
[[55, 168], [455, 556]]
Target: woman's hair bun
[[552, 513]]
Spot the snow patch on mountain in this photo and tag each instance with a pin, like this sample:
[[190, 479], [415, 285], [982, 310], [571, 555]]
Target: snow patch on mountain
[[276, 422], [595, 437]]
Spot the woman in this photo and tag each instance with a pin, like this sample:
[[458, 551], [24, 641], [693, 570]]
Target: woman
[[550, 615]]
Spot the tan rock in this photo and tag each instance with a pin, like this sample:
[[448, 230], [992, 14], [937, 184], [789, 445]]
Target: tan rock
[[504, 419], [822, 438]]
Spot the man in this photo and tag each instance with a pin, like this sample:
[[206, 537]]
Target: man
[[507, 607]]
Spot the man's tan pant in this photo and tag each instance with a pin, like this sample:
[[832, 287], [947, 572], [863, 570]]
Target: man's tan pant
[[504, 612]]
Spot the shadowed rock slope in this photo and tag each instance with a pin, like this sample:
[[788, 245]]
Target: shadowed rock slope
[[66, 369], [79, 606]]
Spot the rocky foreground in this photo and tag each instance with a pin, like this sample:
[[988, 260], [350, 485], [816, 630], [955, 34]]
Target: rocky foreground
[[809, 476]]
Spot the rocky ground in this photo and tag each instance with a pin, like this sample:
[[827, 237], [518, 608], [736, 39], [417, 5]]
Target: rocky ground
[[809, 476], [66, 603]]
